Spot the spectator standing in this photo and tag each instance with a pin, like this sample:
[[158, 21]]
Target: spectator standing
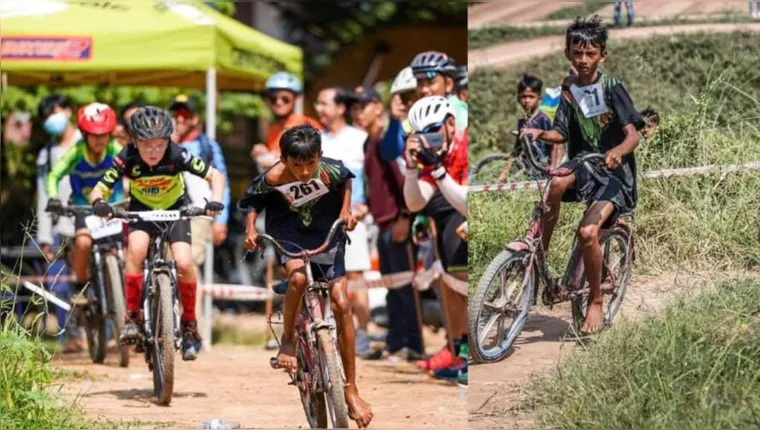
[[189, 135], [120, 133], [385, 199], [345, 143], [55, 113], [754, 12], [628, 9]]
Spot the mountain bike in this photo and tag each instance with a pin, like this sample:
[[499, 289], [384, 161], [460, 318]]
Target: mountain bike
[[161, 336], [319, 375], [503, 168], [105, 298], [509, 286]]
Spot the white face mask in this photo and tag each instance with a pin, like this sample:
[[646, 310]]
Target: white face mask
[[56, 124]]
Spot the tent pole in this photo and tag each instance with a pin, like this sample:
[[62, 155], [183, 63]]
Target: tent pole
[[208, 268], [4, 82]]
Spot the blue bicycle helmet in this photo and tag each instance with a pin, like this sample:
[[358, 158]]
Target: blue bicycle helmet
[[430, 63], [284, 81]]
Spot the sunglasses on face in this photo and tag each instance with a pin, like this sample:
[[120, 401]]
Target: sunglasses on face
[[408, 97], [285, 99]]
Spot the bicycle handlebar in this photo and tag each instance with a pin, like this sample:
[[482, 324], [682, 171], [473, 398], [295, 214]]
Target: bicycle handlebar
[[184, 213], [339, 224], [530, 146]]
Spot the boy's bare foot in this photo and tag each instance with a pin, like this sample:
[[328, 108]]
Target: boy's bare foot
[[594, 318], [286, 357], [358, 409]]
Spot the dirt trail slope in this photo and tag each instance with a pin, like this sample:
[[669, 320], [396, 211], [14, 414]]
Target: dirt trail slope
[[236, 384], [512, 53], [497, 389], [514, 13]]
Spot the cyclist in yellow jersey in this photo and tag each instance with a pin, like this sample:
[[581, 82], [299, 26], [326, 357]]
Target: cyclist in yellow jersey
[[155, 166]]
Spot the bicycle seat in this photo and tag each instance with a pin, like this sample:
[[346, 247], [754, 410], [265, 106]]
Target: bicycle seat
[[281, 287]]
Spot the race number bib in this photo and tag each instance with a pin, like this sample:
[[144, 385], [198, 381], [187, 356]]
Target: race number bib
[[590, 99], [100, 228], [299, 193]]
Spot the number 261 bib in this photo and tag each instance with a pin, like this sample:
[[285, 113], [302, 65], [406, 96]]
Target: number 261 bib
[[299, 193], [590, 99]]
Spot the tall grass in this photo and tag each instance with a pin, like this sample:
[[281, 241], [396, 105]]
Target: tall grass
[[693, 366]]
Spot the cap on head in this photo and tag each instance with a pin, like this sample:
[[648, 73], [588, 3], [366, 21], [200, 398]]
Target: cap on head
[[405, 81], [183, 102], [366, 95], [284, 81]]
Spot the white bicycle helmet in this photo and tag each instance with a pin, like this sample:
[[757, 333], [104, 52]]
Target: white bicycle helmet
[[405, 81], [428, 111], [284, 81]]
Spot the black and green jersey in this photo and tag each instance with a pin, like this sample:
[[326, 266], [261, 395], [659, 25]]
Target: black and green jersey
[[159, 187]]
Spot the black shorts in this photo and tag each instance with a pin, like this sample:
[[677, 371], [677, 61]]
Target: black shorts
[[79, 222], [451, 248], [592, 186], [327, 272], [179, 231]]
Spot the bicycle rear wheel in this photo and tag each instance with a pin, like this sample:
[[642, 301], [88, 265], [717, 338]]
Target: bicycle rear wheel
[[333, 378], [501, 301], [615, 273], [162, 355], [313, 403], [488, 169], [96, 338], [116, 298]]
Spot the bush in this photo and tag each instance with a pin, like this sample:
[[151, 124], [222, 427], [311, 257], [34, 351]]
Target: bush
[[693, 366]]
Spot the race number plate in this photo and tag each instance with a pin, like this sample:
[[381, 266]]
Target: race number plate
[[158, 216], [299, 193], [100, 228], [590, 99]]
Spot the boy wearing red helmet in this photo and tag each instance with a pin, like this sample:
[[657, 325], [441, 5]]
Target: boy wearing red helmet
[[85, 163]]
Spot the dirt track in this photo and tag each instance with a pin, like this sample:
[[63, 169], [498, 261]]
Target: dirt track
[[509, 54], [235, 383], [497, 390]]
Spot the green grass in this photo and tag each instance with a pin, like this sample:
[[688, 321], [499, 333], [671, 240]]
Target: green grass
[[695, 365], [231, 335], [570, 12], [487, 36], [667, 72]]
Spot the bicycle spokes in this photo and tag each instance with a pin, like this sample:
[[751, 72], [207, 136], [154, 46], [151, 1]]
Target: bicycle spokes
[[501, 306]]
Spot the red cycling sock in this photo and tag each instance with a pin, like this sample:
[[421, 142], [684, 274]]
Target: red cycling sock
[[133, 285], [187, 295]]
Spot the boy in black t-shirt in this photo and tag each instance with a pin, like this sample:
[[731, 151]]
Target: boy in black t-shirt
[[595, 115], [304, 194]]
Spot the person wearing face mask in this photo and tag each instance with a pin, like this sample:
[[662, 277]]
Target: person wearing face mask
[[55, 112], [282, 92], [436, 183]]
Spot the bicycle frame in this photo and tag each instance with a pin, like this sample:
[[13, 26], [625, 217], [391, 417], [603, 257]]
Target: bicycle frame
[[155, 263]]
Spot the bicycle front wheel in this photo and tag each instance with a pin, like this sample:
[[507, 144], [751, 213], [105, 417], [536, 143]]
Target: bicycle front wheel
[[116, 298], [163, 340], [616, 265], [333, 378], [313, 402], [500, 305]]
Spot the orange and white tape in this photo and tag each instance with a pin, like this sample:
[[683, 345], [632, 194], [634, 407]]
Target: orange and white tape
[[652, 174]]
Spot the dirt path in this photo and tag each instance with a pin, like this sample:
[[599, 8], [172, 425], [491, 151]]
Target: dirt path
[[509, 13], [235, 383], [508, 54], [497, 390]]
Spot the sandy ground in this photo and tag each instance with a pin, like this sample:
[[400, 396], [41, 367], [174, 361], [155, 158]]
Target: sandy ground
[[235, 383]]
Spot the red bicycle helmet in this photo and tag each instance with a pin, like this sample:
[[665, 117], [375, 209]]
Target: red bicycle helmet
[[96, 118]]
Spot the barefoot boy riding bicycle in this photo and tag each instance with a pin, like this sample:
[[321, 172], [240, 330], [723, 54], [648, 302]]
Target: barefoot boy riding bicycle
[[595, 115], [303, 195]]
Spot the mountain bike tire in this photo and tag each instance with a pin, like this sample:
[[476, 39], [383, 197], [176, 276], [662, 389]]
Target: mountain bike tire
[[116, 298], [313, 403], [163, 340], [333, 379]]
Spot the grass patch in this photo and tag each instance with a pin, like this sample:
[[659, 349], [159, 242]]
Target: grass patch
[[667, 72], [587, 8], [693, 366], [231, 335]]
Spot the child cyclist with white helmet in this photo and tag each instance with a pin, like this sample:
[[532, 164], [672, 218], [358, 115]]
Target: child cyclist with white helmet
[[436, 184], [154, 166]]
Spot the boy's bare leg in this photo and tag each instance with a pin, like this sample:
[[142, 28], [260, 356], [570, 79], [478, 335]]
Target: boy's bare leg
[[286, 357], [359, 410], [558, 187], [588, 235]]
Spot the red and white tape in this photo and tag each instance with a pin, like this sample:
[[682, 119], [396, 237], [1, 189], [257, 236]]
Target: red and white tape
[[652, 174]]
